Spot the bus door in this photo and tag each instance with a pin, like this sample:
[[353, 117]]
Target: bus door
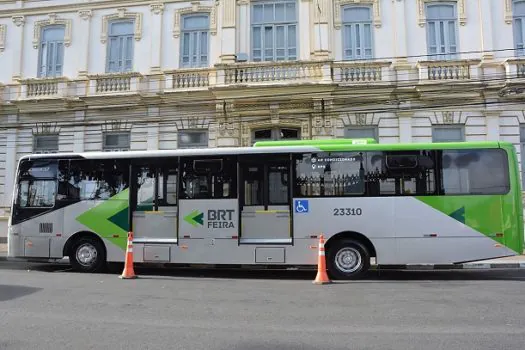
[[265, 199], [155, 203]]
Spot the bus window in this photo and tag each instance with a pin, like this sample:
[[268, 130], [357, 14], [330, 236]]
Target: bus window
[[37, 185], [482, 171], [36, 194], [401, 173], [97, 180], [278, 184], [330, 174], [208, 178], [253, 176]]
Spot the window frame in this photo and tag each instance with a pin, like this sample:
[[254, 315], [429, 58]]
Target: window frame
[[515, 18], [193, 145], [352, 23], [122, 49], [374, 128], [46, 150], [262, 25], [448, 55], [275, 133], [199, 31], [461, 128], [107, 148], [55, 54]]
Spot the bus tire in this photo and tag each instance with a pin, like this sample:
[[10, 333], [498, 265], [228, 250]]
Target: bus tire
[[347, 259], [87, 254]]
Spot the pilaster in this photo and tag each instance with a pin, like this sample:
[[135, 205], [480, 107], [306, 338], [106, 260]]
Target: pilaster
[[17, 40], [79, 132], [228, 42], [84, 26], [11, 157], [153, 129], [157, 11], [492, 123], [405, 125]]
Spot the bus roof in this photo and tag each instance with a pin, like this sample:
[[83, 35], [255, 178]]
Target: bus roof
[[273, 147]]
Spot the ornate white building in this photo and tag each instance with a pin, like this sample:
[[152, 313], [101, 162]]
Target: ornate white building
[[133, 74]]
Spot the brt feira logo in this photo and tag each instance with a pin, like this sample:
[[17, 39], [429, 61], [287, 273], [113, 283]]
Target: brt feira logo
[[216, 218]]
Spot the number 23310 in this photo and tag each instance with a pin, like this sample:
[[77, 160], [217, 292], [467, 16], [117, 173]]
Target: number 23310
[[348, 211]]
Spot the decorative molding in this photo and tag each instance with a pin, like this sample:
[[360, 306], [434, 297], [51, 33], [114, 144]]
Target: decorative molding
[[157, 8], [508, 11], [376, 11], [243, 2], [122, 13], [18, 20], [3, 30], [85, 14], [421, 13], [195, 8], [53, 20]]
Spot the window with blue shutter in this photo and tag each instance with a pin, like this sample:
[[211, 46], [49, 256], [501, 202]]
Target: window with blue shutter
[[120, 47], [51, 55], [194, 44], [518, 12], [442, 31], [357, 33], [274, 30]]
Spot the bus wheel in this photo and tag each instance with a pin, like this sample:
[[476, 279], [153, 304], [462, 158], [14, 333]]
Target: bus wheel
[[347, 259], [87, 254]]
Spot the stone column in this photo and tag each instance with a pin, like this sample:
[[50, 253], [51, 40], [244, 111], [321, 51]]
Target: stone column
[[84, 30], [157, 10], [10, 158], [228, 39], [17, 40], [321, 10], [405, 126], [79, 131]]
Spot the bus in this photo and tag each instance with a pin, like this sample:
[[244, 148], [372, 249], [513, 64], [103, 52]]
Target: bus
[[267, 205]]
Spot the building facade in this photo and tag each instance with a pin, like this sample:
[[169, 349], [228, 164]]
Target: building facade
[[144, 75]]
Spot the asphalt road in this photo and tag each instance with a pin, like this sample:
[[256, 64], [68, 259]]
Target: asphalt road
[[54, 309]]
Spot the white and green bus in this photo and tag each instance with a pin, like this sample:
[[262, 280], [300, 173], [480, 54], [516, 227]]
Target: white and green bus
[[392, 204]]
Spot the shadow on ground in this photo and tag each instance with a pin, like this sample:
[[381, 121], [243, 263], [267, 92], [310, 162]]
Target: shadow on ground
[[10, 292], [372, 276]]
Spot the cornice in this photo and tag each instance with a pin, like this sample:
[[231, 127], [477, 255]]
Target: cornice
[[80, 6]]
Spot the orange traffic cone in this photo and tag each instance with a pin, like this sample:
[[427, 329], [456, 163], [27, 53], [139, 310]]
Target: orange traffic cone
[[322, 276], [128, 272]]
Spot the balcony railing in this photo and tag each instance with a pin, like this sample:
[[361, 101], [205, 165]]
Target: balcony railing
[[273, 72], [43, 88], [114, 83], [360, 72], [190, 79], [448, 70], [515, 69]]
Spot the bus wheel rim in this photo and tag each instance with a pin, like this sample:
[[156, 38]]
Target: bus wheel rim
[[348, 260], [86, 254]]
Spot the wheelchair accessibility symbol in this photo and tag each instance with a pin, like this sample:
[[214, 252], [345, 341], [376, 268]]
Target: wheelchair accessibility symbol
[[301, 206]]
